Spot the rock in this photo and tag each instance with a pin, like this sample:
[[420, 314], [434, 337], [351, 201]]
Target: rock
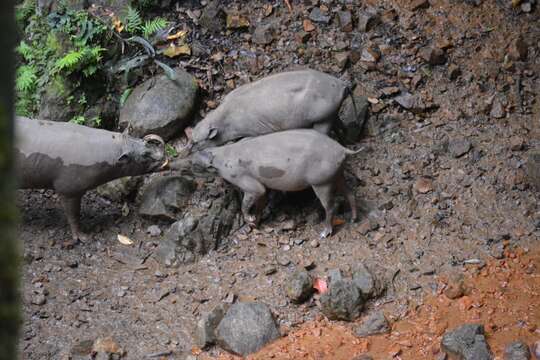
[[365, 281], [153, 231], [353, 116], [53, 104], [453, 72], [205, 333], [419, 4], [341, 58], [263, 34], [317, 15], [82, 349], [39, 299], [164, 196], [423, 185], [497, 109], [533, 168], [299, 287], [433, 55], [518, 49], [411, 102], [213, 17], [374, 324], [467, 343], [343, 301], [206, 227], [246, 328], [302, 37], [345, 21], [334, 275], [455, 288], [160, 106], [370, 54], [367, 20], [535, 349], [237, 21], [517, 143], [517, 350], [459, 147], [362, 357], [119, 189], [308, 25], [106, 346], [526, 7]]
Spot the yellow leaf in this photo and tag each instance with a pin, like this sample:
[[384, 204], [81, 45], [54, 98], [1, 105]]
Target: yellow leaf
[[117, 23], [180, 34], [174, 51], [124, 240]]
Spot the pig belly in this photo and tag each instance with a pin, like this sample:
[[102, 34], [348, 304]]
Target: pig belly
[[280, 179]]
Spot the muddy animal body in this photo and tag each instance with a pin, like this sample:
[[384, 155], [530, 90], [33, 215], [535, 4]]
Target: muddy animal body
[[291, 160], [72, 159], [289, 100]]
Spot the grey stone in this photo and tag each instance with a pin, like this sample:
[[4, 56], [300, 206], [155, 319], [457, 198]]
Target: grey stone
[[497, 109], [53, 106], [264, 34], [317, 15], [246, 328], [119, 189], [299, 286], [213, 17], [212, 221], [517, 350], [334, 275], [160, 106], [164, 196], [466, 343], [39, 299], [367, 20], [353, 117], [343, 301], [411, 102], [459, 147], [153, 230], [345, 21], [205, 333], [374, 324], [365, 282]]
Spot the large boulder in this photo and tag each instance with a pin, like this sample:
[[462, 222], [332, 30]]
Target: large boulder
[[165, 196], [353, 116], [246, 328], [467, 342], [205, 334], [343, 301], [119, 189], [160, 106], [205, 227]]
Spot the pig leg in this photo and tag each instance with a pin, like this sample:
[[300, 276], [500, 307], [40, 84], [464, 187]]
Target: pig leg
[[72, 208], [342, 187], [253, 192], [325, 193]]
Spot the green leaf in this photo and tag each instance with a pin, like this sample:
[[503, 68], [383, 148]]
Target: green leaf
[[25, 51], [151, 27], [133, 20], [125, 96], [26, 78], [69, 61], [171, 150], [79, 119]]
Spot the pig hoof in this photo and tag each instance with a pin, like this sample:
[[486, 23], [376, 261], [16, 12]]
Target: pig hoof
[[325, 233]]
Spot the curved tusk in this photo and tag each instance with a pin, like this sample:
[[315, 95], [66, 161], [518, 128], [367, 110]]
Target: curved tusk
[[165, 165], [151, 137]]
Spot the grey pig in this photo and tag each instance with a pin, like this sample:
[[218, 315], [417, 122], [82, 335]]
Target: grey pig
[[71, 159], [288, 100], [291, 160]]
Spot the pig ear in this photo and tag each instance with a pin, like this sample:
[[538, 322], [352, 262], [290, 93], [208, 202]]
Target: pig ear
[[213, 133]]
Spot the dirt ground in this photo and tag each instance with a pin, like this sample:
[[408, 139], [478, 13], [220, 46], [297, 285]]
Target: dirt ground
[[439, 187]]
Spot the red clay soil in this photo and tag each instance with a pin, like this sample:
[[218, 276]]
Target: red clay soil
[[504, 296]]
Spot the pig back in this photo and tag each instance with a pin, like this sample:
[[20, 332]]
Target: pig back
[[287, 160], [289, 100], [63, 155]]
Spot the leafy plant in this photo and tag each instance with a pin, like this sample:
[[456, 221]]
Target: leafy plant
[[125, 96], [79, 120], [153, 26], [26, 78], [133, 20], [171, 150]]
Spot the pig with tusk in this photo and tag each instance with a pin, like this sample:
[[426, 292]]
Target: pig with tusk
[[72, 159], [284, 101], [291, 160]]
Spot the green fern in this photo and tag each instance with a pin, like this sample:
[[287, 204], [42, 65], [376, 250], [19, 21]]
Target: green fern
[[24, 11], [153, 26], [25, 51], [133, 20], [69, 61], [26, 78]]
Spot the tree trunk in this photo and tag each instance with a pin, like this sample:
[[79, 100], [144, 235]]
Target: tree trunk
[[9, 255]]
